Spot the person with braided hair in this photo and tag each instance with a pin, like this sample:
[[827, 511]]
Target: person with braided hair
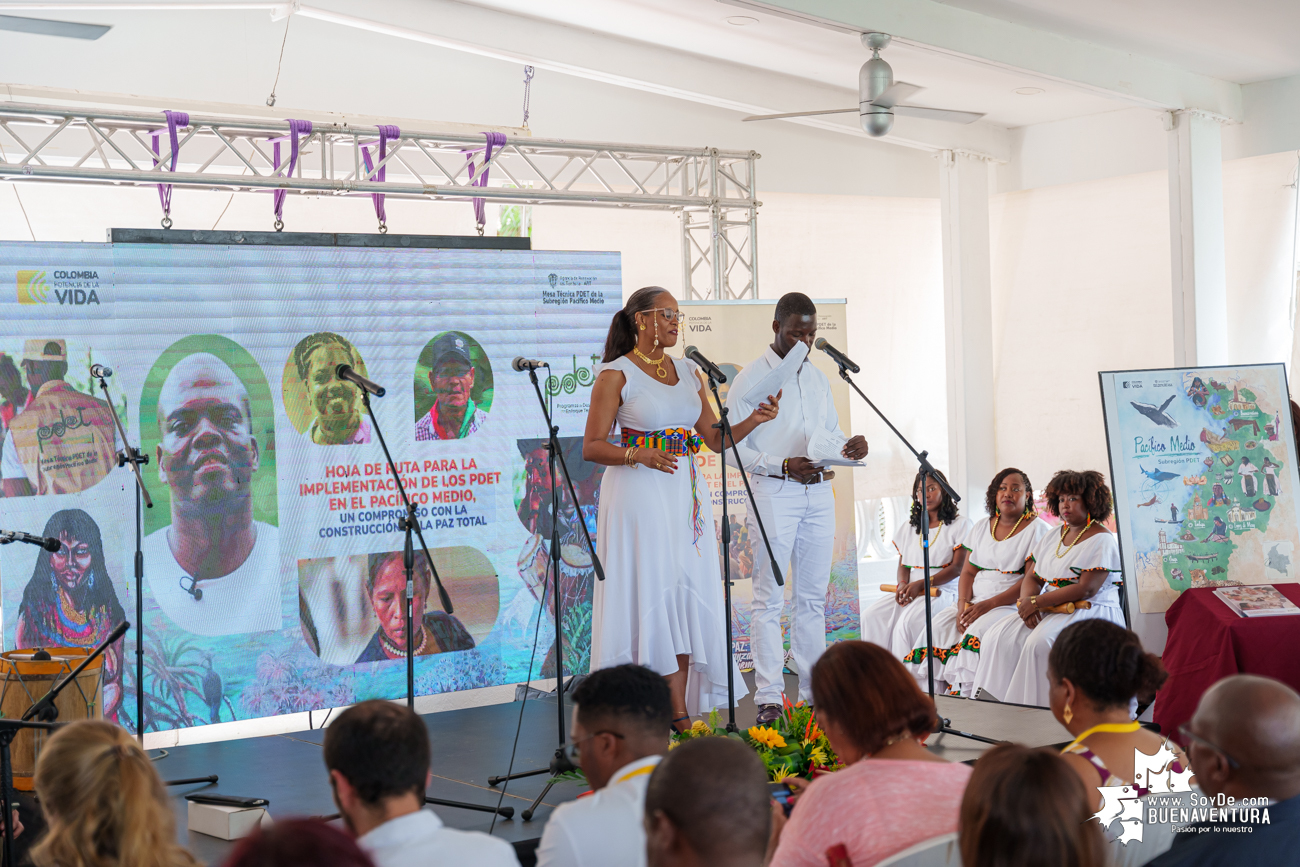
[[337, 417], [997, 550], [661, 603]]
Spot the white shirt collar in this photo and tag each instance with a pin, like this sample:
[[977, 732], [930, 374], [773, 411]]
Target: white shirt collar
[[629, 770], [401, 830]]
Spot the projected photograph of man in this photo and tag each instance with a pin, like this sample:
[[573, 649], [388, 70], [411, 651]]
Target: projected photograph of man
[[453, 387], [61, 440], [319, 404], [214, 569], [70, 600]]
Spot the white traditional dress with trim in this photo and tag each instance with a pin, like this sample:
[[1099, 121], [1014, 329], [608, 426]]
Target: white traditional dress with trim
[[1013, 667], [892, 626], [999, 566]]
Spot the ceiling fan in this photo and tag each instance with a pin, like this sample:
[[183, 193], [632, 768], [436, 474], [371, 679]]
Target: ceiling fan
[[880, 97], [48, 27]]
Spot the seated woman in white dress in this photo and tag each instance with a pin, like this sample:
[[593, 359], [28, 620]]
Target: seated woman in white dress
[[1078, 564], [997, 548], [892, 622], [661, 602]]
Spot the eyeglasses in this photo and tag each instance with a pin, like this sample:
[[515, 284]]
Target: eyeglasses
[[573, 751], [1192, 736], [670, 315]]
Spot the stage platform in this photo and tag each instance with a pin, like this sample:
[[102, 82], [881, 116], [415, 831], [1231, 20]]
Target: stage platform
[[470, 745]]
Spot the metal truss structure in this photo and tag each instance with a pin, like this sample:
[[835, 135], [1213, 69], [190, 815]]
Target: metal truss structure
[[713, 190]]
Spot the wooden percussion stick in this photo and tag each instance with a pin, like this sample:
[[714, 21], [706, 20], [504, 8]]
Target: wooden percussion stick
[[893, 588]]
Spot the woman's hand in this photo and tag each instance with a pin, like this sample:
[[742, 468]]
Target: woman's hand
[[656, 459], [911, 591], [1025, 607], [974, 612], [900, 593], [767, 411]]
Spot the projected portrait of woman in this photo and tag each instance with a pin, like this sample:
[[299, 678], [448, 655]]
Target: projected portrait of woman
[[326, 409], [70, 600], [438, 631], [453, 387], [206, 414]]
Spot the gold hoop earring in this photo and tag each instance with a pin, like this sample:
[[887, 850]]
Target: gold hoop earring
[[1068, 714]]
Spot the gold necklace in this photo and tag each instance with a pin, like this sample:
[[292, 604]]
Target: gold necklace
[[993, 524], [1065, 529], [657, 365]]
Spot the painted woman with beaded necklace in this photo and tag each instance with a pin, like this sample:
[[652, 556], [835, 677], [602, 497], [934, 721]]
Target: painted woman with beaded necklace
[[661, 603], [1078, 564]]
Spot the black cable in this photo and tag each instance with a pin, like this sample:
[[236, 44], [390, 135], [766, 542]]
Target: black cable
[[537, 630]]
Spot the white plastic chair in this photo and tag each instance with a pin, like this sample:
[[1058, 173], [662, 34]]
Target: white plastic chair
[[935, 852]]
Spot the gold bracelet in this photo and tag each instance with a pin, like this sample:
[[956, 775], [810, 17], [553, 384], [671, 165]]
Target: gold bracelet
[[630, 457]]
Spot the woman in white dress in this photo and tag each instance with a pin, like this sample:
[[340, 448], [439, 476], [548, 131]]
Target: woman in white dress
[[661, 602], [997, 548], [892, 622], [1077, 564]]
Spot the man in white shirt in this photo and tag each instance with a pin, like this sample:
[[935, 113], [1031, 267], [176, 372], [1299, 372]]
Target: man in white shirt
[[795, 502], [213, 570], [620, 732], [377, 754]]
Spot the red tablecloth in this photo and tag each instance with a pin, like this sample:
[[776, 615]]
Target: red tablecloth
[[1208, 641]]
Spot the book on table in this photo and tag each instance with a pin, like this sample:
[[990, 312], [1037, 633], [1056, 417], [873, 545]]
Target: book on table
[[1261, 600]]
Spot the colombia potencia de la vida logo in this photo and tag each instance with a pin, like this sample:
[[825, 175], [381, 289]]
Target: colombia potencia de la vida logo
[[74, 287]]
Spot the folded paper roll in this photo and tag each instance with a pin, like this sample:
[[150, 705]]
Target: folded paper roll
[[893, 588]]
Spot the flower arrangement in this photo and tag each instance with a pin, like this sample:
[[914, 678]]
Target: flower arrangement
[[792, 746]]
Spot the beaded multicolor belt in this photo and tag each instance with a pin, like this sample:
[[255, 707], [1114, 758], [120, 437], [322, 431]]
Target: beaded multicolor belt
[[674, 441]]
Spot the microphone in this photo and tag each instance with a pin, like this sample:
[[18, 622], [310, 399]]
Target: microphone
[[347, 374], [194, 589], [100, 371], [840, 358], [49, 543], [694, 354], [521, 364]]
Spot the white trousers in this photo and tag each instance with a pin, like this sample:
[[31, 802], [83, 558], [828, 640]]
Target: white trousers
[[800, 524]]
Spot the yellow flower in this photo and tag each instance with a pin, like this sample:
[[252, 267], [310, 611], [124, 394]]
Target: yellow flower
[[769, 738], [700, 727], [818, 757]]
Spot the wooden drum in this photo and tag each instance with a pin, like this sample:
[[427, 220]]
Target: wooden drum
[[26, 681]]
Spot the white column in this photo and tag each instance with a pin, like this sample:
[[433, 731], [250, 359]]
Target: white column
[[968, 325], [1200, 301]]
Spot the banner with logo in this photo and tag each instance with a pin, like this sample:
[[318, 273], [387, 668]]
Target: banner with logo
[[1204, 468], [273, 571], [733, 334]]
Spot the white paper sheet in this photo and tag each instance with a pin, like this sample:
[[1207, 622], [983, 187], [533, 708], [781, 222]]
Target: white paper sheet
[[826, 449], [778, 376]]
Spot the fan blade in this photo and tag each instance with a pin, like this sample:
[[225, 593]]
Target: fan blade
[[798, 114], [896, 93], [937, 113], [46, 27]]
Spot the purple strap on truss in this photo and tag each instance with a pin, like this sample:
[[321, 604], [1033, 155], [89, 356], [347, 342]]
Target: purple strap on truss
[[387, 133], [175, 119], [494, 140], [296, 128]]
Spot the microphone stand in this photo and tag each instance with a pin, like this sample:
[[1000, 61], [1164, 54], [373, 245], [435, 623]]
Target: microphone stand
[[560, 761], [927, 472], [409, 525], [724, 427], [135, 457]]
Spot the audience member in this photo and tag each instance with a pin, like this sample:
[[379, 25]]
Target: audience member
[[104, 802], [299, 843], [1026, 808], [707, 804], [377, 754], [875, 717], [1244, 742], [1099, 675], [620, 732]]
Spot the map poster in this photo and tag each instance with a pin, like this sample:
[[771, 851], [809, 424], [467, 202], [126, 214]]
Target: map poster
[[1203, 462]]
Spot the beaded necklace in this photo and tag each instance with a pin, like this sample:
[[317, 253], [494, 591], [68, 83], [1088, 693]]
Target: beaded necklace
[[993, 524], [1065, 529]]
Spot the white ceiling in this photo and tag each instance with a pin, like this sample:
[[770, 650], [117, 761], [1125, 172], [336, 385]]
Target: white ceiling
[[1242, 41]]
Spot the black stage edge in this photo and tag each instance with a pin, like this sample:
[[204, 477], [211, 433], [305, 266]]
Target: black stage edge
[[315, 239], [471, 744]]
